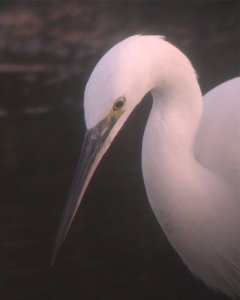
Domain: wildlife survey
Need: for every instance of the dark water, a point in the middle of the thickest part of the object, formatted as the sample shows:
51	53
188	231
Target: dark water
116	249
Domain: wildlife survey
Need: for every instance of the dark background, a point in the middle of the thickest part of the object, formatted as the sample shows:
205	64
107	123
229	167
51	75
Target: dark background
115	249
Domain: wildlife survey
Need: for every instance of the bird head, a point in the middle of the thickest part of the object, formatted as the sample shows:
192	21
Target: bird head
117	84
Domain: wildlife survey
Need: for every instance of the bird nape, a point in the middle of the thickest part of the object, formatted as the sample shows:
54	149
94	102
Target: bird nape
190	152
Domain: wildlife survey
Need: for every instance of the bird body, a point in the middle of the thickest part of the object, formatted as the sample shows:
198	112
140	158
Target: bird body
196	207
190	152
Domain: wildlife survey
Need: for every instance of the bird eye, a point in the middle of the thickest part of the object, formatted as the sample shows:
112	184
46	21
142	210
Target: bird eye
119	103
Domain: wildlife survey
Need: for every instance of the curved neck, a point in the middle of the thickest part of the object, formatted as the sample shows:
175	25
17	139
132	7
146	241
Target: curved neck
176	113
177	98
177	103
171	129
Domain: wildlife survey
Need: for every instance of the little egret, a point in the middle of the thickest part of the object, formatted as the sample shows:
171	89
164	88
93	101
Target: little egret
190	152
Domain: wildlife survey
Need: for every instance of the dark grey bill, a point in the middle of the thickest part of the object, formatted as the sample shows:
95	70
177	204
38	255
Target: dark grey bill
91	155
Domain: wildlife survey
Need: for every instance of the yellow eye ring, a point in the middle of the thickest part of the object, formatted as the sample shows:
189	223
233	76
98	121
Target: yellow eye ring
119	103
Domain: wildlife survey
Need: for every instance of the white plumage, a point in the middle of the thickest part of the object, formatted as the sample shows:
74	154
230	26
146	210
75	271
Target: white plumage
190	152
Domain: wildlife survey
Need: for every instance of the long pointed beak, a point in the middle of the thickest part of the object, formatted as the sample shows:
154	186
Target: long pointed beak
96	142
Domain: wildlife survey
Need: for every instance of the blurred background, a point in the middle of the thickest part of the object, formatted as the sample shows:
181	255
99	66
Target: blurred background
115	249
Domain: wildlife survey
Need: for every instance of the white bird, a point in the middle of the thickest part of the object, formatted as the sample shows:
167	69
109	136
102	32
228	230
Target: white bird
190	152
